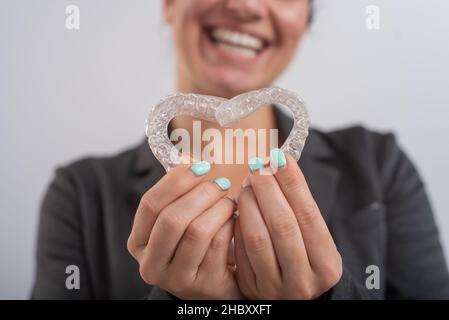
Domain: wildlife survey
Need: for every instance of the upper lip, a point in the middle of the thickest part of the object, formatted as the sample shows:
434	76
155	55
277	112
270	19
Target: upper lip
265	39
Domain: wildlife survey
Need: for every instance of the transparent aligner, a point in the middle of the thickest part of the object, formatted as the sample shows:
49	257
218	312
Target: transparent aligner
245	104
225	112
198	106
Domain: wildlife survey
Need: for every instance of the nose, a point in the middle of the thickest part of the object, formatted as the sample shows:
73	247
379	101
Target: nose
246	9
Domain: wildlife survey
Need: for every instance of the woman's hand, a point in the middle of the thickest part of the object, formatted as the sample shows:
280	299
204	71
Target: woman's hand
181	235
283	248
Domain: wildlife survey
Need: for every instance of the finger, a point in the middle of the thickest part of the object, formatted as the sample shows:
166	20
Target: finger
216	257
281	223
245	275
176	217
256	238
198	235
318	241
173	185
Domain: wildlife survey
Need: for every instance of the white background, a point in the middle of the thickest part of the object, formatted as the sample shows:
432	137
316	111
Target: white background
67	94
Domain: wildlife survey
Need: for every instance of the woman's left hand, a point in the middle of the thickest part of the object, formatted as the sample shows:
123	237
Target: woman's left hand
283	248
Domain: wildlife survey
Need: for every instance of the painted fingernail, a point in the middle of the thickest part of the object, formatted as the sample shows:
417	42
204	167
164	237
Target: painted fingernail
200	168
255	164
223	183
277	158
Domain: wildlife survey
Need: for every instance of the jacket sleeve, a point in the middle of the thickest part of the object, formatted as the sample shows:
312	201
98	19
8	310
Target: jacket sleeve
60	244
347	289
415	263
416	267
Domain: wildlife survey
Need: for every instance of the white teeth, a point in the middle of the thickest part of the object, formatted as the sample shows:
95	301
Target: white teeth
249	53
237	39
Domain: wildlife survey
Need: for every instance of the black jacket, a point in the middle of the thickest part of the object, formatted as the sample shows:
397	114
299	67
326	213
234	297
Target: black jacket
368	191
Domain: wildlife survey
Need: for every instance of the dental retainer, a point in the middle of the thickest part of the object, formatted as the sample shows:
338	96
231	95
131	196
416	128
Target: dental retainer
225	112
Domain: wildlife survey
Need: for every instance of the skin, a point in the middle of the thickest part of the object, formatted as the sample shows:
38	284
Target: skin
283	247
184	224
181	237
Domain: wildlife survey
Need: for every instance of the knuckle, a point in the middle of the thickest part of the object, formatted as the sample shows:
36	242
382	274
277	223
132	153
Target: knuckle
171	221
147	273
330	280
257	241
196	232
331	274
291	182
218	242
179	185
284	225
308	294
304	290
308	215
131	246
227	204
148	205
207	189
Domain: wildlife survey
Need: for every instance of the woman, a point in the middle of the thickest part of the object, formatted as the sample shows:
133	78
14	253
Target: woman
351	220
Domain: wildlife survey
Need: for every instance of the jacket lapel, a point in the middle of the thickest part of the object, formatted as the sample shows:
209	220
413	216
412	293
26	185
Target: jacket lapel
315	163
322	180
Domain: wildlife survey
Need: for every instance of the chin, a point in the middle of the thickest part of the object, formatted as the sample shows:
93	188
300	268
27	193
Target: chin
229	90
230	84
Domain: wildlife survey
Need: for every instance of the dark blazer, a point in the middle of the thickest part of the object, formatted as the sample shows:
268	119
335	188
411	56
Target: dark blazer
368	191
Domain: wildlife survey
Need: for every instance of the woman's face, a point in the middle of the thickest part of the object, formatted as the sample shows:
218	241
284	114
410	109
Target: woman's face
225	47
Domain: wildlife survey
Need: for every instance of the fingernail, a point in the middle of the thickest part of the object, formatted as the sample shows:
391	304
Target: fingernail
200	168
277	158
223	183
255	164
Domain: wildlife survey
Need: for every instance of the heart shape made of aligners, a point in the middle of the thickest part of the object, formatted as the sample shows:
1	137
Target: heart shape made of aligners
225	112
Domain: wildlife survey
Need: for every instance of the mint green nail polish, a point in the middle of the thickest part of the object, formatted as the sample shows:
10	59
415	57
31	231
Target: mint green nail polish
255	164
277	157
200	168
223	183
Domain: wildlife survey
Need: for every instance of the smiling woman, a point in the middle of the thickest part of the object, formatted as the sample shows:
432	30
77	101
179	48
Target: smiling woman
224	57
308	230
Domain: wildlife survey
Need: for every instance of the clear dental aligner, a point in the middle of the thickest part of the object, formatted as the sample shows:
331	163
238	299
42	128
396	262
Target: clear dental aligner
225	112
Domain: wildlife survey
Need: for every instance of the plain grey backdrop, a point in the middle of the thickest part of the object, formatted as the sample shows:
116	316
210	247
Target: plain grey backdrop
67	94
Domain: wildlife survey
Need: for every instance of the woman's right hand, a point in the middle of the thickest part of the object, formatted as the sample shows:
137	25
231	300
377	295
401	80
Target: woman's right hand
181	235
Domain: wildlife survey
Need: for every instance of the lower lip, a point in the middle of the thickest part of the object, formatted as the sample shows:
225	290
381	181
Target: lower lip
226	55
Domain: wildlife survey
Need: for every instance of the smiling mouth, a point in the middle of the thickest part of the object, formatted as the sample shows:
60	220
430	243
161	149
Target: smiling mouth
236	42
